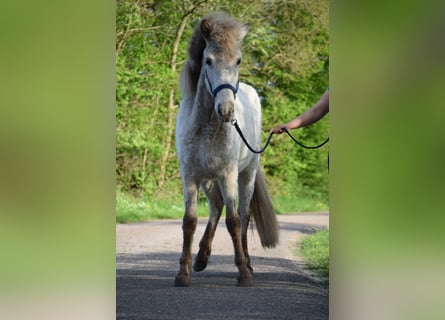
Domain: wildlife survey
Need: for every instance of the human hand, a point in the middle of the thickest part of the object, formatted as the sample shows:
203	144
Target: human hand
281	128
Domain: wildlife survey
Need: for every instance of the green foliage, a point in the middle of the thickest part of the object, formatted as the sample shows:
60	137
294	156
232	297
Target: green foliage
285	57
315	250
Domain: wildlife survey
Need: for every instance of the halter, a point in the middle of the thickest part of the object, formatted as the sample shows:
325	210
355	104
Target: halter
222	86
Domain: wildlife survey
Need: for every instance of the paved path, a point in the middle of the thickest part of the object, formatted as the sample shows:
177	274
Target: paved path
148	259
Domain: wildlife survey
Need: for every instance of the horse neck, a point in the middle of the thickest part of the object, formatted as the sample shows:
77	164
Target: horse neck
203	111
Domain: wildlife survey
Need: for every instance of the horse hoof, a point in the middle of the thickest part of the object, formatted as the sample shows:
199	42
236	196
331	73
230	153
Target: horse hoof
199	265
245	282
181	281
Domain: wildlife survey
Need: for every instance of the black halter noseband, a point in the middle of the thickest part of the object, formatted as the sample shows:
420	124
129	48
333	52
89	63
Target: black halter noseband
222	86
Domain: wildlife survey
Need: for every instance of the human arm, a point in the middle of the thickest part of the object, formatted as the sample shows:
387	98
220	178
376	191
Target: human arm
307	118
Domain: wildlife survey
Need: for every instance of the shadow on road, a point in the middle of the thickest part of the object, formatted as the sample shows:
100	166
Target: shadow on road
281	291
300	227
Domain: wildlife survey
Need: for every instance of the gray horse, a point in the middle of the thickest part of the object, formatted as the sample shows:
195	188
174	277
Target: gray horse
210	153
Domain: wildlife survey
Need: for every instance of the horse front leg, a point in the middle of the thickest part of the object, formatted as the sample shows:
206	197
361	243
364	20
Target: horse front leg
246	187
233	223
216	205
189	223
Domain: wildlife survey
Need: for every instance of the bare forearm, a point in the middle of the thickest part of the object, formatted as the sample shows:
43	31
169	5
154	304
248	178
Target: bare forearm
310	116
313	114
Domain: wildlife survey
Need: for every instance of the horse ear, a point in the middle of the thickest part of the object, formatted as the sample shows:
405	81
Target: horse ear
205	28
245	29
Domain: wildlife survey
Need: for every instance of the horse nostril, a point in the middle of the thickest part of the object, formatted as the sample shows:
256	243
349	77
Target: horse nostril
224	111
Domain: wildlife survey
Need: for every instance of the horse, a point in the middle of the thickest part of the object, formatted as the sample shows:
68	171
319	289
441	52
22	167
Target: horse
211	155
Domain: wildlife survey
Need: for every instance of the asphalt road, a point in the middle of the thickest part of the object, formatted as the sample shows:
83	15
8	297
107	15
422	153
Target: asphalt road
147	261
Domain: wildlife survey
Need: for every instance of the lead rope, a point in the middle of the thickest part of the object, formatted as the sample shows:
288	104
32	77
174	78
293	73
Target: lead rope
235	124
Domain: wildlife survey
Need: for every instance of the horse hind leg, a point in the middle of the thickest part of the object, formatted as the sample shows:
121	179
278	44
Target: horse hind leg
216	205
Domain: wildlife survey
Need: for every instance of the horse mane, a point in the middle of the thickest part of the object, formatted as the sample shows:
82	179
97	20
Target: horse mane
226	34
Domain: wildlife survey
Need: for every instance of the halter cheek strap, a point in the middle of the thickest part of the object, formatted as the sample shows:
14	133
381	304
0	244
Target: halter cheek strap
222	86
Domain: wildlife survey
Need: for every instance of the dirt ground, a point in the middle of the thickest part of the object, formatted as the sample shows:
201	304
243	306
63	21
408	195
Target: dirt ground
147	260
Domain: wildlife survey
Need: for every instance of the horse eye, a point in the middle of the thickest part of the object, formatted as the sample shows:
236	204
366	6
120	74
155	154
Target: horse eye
238	62
208	61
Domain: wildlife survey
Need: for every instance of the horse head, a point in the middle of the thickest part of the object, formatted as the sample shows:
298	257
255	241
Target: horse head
221	60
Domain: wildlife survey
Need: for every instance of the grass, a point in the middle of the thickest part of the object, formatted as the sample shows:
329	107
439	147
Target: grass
133	209
315	250
292	204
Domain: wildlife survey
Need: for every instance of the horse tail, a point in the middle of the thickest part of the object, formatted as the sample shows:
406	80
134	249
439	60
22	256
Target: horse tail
261	207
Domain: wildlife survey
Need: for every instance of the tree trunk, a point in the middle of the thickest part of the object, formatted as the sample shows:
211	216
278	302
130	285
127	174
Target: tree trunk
171	107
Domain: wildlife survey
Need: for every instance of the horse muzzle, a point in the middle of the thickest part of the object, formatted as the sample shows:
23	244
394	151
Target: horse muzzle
225	111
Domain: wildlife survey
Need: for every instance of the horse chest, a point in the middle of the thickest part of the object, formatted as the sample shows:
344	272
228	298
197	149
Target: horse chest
208	159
